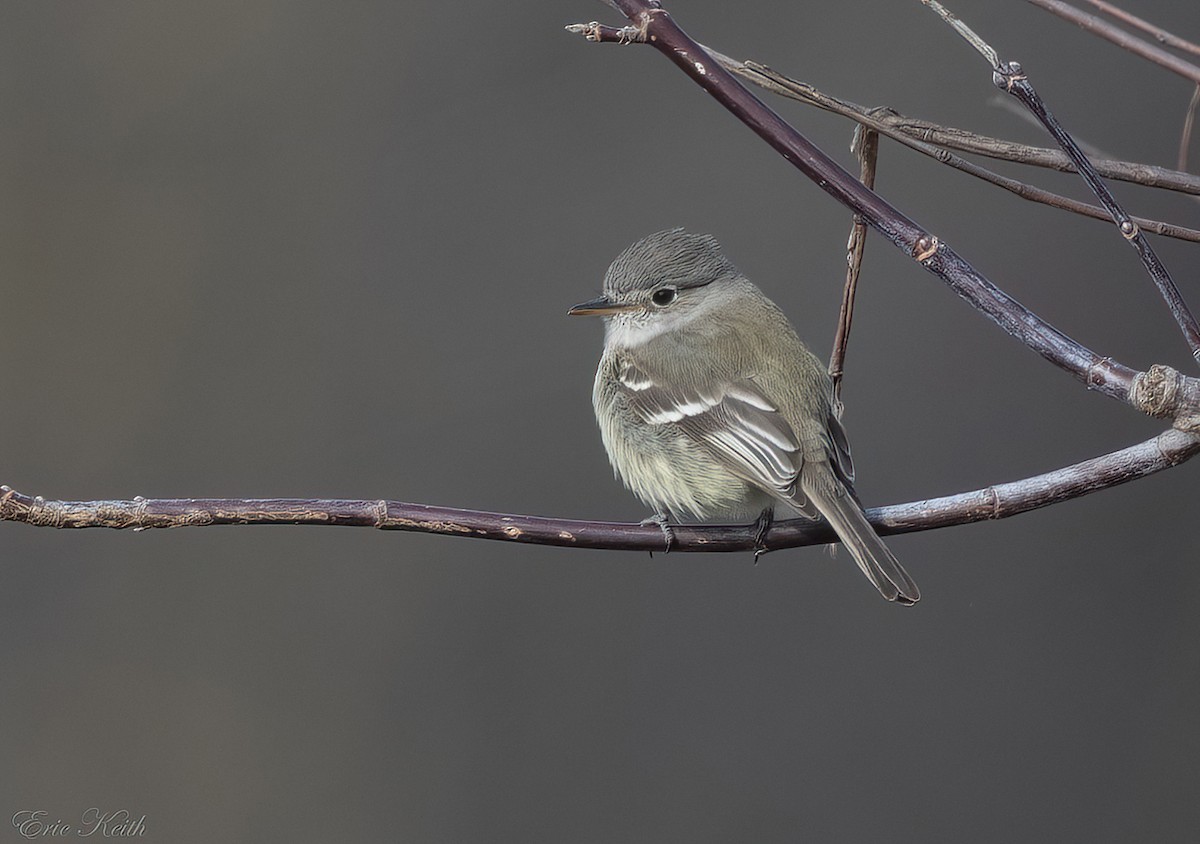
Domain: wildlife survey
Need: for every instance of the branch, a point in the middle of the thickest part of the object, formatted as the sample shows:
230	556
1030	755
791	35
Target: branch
1185	137
899	127
866	146
1168	449
902	130
1158	33
1008	76
1161	392
934	140
1135	45
657	28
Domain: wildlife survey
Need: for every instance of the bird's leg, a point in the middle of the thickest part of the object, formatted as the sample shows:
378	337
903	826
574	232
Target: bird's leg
761	526
663	521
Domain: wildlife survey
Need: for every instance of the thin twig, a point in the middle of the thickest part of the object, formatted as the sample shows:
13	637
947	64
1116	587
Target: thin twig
1185	138
1149	175
1018	111
909	131
965	32
1157	33
866	146
1137	46
1008	76
889	122
1168	449
879	120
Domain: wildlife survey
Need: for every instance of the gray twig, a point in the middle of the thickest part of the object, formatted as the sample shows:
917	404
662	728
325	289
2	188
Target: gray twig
1185	137
887	123
1157	33
935	140
1137	46
1009	76
866	146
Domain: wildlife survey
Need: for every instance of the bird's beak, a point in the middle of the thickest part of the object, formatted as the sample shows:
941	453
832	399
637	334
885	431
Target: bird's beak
599	306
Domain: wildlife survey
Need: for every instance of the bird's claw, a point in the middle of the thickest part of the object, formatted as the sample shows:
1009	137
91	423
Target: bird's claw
761	525
661	519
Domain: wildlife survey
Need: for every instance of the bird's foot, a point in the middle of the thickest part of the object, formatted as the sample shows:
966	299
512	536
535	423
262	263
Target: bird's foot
761	526
662	520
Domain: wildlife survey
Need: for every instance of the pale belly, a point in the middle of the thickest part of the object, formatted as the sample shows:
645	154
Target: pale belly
673	475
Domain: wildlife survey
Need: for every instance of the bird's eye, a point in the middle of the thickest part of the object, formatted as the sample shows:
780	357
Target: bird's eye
663	296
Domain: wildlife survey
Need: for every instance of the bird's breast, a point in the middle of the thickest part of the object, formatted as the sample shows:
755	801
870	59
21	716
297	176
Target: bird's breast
663	466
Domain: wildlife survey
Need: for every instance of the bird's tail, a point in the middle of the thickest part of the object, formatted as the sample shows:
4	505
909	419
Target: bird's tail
877	562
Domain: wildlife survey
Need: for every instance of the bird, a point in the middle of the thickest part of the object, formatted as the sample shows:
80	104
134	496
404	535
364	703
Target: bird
711	407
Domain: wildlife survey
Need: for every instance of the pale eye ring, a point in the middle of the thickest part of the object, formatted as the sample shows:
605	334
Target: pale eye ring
664	296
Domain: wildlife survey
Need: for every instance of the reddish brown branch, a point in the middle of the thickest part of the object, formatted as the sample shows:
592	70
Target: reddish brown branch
657	27
923	135
995	502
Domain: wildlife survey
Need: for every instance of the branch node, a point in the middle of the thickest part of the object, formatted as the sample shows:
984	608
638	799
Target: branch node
137	514
590	31
993	503
381	513
1007	75
630	35
1166	393
1156	391
43	513
642	30
1097	373
597	32
926	247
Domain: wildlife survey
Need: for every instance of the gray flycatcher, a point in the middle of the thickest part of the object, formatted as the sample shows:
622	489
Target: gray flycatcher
710	405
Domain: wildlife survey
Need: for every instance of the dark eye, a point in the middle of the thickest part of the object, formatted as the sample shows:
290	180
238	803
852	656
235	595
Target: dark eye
663	296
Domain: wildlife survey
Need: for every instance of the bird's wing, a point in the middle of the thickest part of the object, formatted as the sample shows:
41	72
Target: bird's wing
734	421
839	450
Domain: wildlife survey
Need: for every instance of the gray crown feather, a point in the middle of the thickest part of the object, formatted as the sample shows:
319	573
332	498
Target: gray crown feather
674	255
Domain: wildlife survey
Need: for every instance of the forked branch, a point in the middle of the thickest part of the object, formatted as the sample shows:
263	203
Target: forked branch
1008	76
657	28
913	131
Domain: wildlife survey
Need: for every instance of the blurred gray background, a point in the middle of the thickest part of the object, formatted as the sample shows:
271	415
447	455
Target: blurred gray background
326	249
